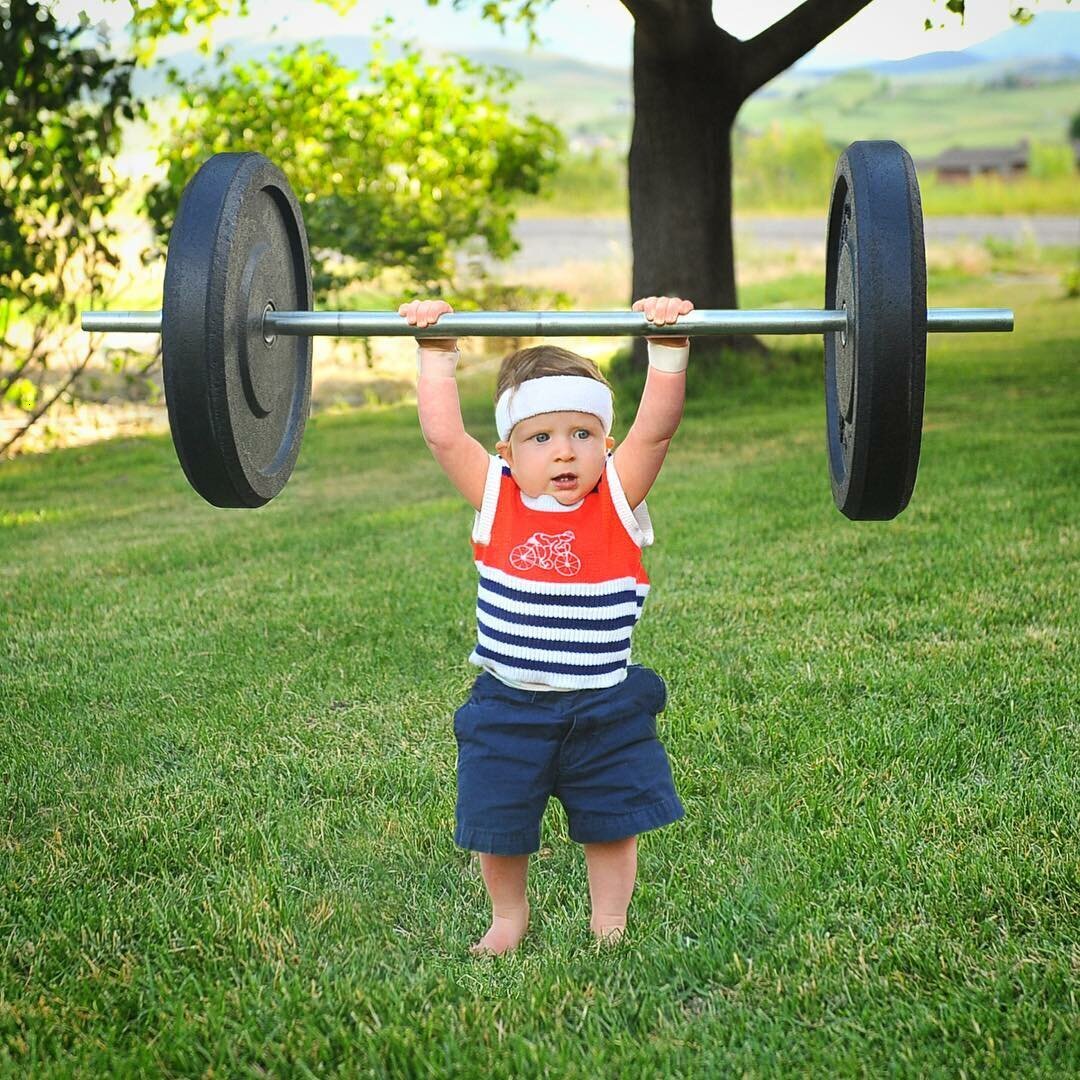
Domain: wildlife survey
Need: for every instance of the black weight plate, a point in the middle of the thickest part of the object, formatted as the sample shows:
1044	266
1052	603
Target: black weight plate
875	374
238	402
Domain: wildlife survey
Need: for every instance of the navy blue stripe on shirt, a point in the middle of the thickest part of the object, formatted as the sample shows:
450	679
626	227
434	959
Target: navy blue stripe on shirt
560	599
551	623
543	665
548	645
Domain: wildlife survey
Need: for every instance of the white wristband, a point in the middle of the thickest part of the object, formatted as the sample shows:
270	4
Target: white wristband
674	358
436	361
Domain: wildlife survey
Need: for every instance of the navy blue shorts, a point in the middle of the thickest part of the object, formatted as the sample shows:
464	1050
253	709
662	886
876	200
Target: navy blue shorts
596	751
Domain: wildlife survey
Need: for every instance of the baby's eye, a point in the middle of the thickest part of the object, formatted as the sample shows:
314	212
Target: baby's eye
583	433
541	436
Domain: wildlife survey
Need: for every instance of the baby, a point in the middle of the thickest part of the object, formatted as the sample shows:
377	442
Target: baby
558	708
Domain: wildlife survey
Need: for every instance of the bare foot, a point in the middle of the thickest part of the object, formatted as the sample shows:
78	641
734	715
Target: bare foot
610	930
505	932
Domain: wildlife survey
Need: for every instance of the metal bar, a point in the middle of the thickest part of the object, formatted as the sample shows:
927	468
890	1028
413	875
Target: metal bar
554	323
559	323
968	320
126	322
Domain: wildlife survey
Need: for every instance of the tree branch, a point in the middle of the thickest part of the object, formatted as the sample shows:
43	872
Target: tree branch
8	377
669	13
644	10
774	50
43	409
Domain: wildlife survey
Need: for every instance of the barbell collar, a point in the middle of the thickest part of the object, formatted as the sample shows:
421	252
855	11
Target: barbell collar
558	323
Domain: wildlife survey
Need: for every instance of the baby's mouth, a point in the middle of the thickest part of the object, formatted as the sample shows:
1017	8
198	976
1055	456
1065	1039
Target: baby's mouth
565	480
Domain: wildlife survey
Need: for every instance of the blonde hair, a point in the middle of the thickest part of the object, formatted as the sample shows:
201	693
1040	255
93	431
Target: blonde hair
539	360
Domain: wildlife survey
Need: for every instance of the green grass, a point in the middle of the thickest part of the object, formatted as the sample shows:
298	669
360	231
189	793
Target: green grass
992	195
927	116
595	185
228	763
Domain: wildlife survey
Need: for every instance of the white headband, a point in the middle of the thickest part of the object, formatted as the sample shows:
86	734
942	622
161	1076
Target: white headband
553	393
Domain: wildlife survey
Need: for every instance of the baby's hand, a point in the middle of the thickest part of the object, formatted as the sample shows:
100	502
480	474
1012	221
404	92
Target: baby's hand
665	309
426	313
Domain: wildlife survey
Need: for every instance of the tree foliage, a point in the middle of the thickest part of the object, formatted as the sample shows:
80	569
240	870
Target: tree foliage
394	173
1019	13
396	168
152	20
58	123
398	171
60	105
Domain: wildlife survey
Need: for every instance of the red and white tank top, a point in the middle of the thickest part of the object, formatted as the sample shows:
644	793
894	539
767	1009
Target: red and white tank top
561	588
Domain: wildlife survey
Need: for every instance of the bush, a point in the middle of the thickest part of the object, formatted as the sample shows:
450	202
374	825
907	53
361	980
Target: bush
783	167
396	166
1049	161
1070	281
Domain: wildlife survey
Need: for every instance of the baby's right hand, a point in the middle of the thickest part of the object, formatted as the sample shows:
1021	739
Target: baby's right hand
426	313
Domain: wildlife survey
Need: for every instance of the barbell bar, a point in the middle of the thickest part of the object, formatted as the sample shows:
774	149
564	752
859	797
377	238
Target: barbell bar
236	327
559	323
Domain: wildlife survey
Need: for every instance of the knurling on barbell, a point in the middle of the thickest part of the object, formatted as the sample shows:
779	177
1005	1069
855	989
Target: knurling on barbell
236	325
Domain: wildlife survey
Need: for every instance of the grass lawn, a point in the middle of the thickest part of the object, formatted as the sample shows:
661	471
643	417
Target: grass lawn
227	755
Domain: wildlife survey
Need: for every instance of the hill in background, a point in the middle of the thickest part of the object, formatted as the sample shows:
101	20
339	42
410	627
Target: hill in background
1023	83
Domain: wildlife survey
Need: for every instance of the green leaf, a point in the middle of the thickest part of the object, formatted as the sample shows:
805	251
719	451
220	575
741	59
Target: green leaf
398	165
23	394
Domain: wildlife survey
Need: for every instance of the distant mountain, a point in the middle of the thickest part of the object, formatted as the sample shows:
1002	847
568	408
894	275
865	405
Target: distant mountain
926	64
351	50
1047	47
970	67
1051	36
582	98
1050	33
593	104
571	91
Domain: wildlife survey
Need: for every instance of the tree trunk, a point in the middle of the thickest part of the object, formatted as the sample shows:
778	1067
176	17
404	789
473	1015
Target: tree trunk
690	80
686	96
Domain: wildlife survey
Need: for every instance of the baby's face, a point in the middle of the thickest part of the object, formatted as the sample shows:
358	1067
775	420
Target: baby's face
557	453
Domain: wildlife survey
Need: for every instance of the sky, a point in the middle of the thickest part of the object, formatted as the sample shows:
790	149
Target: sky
600	31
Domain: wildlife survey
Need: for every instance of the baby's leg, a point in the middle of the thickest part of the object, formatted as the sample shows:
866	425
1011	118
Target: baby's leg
505	877
612	874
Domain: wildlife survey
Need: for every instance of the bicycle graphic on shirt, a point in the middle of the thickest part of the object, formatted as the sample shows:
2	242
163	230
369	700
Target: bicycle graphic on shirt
548	551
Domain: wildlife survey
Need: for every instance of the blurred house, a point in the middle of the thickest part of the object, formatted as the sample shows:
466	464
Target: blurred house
959	164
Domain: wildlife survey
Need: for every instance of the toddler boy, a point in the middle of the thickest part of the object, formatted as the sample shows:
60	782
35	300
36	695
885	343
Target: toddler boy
561	520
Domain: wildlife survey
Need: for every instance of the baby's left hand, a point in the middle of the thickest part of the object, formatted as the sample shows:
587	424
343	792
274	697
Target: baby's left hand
665	309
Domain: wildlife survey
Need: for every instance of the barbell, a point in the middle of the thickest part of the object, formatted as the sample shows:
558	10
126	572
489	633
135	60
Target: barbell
236	327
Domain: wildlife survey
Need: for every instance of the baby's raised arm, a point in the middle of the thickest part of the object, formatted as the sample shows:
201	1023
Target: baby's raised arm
463	459
639	458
